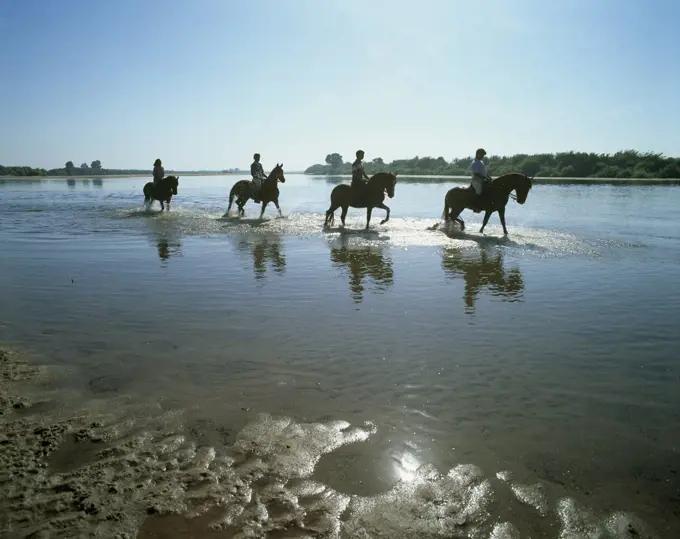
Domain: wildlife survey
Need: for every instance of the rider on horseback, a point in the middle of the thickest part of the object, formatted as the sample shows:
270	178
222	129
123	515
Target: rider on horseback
158	171
481	181
359	178
257	172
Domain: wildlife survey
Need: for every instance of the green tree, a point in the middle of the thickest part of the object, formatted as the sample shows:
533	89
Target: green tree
97	165
334	161
84	165
70	167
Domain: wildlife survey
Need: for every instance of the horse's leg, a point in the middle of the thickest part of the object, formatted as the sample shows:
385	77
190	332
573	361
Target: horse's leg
264	205
241	203
501	214
455	216
383	207
162	205
276	203
369	210
168	203
344	214
487	214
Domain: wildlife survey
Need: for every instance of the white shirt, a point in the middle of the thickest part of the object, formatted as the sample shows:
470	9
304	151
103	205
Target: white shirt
479	167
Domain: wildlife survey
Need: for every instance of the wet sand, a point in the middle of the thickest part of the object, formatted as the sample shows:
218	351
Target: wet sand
121	467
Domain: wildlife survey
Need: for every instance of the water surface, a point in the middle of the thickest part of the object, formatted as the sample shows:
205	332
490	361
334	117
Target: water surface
550	355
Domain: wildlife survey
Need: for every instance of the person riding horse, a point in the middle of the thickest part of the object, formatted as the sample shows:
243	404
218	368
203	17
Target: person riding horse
481	181
359	177
257	172
158	171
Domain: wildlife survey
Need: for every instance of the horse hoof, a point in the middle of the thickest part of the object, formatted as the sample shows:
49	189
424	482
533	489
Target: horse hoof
383	221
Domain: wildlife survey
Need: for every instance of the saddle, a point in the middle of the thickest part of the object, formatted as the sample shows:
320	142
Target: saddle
359	192
477	201
256	192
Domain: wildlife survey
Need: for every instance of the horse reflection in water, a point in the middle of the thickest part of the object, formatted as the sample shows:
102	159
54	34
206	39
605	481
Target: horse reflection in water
168	247
483	270
264	250
362	262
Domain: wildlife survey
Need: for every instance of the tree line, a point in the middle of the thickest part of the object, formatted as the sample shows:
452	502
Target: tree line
623	164
69	169
93	169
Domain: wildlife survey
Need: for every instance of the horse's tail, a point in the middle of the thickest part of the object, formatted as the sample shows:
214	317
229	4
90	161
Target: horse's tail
330	213
232	194
447	209
330	217
147	195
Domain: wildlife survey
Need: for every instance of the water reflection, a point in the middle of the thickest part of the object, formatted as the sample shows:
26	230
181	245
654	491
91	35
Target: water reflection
361	262
22	180
71	182
97	182
168	247
483	269
166	240
266	250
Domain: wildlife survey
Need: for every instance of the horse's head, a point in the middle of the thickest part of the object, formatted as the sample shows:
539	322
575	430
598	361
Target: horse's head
522	188
277	173
389	181
173	183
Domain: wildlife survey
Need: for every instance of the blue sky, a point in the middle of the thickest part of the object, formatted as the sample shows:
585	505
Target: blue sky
205	83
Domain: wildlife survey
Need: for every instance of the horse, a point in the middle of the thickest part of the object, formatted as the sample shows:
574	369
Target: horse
162	191
269	192
495	199
368	196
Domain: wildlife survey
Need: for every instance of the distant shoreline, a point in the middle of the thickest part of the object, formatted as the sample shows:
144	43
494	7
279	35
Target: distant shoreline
114	176
407	178
337	178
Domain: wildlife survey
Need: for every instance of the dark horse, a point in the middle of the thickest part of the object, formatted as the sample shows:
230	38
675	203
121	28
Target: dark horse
368	196
495	199
162	191
269	192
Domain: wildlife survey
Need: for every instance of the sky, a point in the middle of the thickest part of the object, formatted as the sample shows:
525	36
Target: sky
203	84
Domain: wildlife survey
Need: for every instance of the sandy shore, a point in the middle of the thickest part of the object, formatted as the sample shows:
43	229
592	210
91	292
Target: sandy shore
74	464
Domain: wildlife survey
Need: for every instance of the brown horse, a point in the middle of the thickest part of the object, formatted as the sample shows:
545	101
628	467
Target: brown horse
269	192
368	196
162	191
496	198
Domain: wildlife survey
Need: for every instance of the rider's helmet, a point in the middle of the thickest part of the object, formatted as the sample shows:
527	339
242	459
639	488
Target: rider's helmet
157	163
360	154
256	156
481	151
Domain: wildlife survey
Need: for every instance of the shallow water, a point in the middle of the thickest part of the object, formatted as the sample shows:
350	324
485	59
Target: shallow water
548	357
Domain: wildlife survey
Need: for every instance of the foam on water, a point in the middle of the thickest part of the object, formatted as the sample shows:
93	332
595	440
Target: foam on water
136	472
398	232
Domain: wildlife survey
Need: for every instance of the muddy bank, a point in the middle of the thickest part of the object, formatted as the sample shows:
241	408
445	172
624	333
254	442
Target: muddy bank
118	467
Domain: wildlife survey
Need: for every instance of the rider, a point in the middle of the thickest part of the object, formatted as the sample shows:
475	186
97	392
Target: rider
257	172
158	171
480	179
359	178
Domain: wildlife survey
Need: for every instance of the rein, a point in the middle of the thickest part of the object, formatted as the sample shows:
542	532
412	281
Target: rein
512	195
